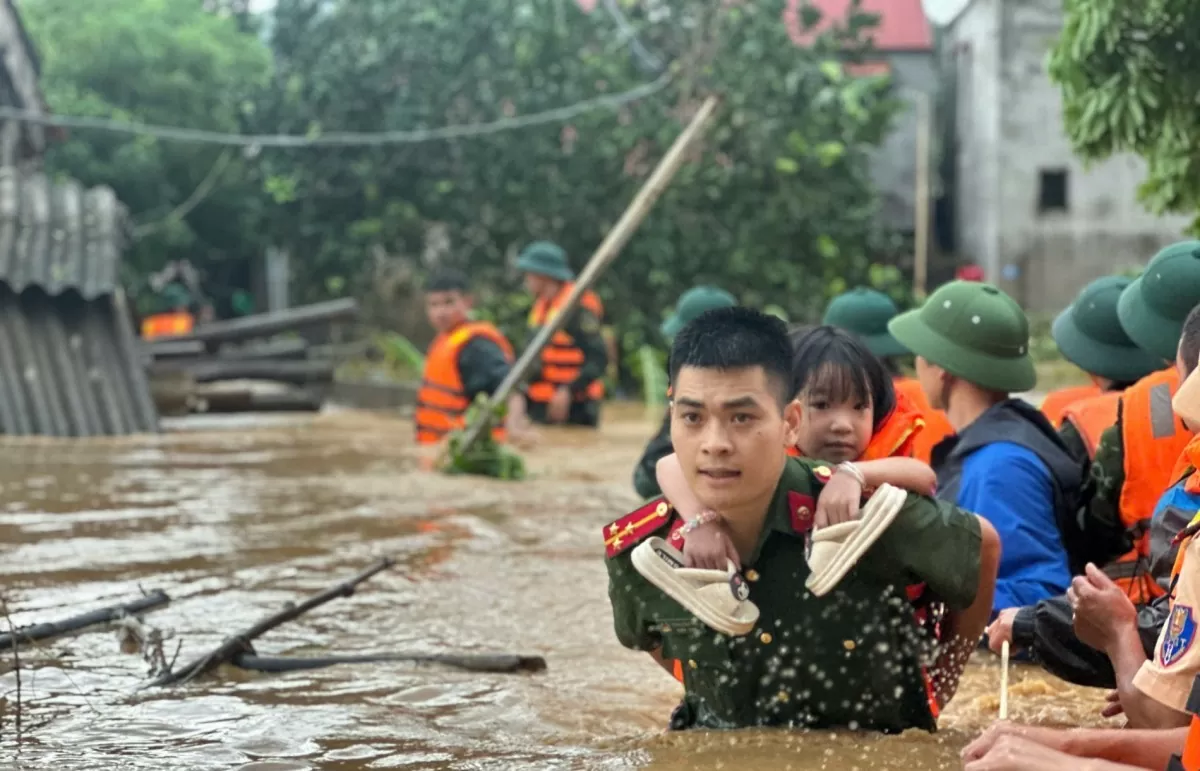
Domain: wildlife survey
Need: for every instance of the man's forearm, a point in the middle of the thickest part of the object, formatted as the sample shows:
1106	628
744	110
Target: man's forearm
965	628
1138	748
1128	656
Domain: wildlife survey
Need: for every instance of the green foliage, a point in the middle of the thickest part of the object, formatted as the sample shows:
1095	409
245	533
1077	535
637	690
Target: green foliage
777	206
1129	74
166	62
486	456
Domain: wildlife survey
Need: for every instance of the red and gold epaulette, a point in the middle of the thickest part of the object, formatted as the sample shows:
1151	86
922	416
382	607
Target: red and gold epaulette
801	508
635	526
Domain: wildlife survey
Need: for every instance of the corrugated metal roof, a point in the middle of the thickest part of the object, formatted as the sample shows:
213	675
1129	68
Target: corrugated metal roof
70	367
59	236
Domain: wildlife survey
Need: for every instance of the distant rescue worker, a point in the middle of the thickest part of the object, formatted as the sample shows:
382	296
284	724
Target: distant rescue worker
569	387
467	358
856	657
691	304
1089	335
866	312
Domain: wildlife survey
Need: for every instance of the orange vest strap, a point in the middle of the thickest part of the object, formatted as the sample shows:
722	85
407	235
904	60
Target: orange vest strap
1191	748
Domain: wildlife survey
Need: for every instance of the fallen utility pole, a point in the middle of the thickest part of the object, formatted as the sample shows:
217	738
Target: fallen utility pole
26	634
616	239
500	663
240	643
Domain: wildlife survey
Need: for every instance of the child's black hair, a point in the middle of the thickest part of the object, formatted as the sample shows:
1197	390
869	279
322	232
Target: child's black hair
448	280
837	363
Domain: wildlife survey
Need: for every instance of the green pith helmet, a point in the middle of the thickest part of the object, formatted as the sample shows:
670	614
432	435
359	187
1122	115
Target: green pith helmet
866	313
692	303
1089	334
975	332
545	259
1152	309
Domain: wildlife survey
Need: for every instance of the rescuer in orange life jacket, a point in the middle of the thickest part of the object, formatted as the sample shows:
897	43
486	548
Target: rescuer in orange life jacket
466	358
569	385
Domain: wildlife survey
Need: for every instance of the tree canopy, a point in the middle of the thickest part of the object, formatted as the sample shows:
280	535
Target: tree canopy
777	205
1130	73
167	62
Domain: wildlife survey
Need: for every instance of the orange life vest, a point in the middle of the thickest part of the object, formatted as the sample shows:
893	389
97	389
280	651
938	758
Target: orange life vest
1092	417
937	426
442	401
894	438
562	358
1153	439
1057	402
168	325
1190	760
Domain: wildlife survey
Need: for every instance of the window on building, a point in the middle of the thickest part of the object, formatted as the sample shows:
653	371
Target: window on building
1052	191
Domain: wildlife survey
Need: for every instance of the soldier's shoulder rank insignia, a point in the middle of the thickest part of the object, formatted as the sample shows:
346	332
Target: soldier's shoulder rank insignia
636	526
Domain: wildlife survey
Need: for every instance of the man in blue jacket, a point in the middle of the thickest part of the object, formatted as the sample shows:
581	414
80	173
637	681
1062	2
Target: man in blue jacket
1005	461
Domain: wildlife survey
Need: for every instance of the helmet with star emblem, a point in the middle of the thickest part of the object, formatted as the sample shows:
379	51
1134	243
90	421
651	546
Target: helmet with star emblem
975	332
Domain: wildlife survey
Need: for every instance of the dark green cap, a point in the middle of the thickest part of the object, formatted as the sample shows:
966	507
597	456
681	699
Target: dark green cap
975	332
866	313
545	259
1153	308
692	303
1090	336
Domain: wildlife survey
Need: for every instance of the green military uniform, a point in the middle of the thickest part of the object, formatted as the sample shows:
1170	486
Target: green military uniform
852	659
585	328
691	304
866	313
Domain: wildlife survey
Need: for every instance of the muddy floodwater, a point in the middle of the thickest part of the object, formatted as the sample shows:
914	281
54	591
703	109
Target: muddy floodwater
234	518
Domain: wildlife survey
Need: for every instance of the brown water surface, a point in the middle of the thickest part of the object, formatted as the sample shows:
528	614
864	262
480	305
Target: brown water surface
234	518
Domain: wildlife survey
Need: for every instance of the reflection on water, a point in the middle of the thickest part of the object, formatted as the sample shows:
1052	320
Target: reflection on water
238	517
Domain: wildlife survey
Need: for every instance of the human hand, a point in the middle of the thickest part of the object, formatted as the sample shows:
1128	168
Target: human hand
1006	730
559	407
1001	630
1112	705
1102	610
839	500
1014	752
709	547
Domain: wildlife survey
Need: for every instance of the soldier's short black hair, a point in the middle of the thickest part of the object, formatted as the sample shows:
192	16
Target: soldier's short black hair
837	364
1189	340
448	280
736	338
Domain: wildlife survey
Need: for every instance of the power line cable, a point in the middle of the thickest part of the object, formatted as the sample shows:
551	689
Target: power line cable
340	138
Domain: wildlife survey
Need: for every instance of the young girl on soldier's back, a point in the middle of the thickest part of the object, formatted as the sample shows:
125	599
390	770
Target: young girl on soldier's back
851	417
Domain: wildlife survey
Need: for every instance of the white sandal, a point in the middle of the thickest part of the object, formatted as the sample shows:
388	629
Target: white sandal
719	598
837	548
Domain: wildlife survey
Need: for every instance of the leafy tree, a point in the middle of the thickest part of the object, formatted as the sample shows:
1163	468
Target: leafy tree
167	62
1129	74
778	206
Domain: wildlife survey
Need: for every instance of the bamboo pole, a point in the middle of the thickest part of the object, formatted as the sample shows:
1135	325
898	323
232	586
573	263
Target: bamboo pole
620	234
921	202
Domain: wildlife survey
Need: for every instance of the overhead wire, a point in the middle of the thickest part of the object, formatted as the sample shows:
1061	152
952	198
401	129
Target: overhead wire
340	138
